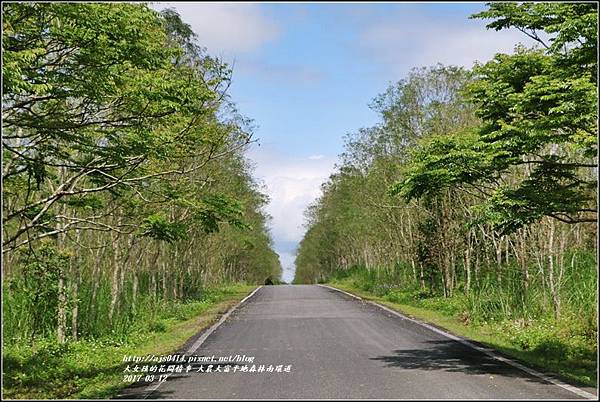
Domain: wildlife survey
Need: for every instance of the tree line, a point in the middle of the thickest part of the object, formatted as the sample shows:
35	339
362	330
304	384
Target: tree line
125	185
477	182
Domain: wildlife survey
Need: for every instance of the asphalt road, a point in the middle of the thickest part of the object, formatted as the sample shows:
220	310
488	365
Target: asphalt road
341	348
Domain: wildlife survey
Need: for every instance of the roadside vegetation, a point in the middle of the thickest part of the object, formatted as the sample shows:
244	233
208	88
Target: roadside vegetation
474	200
127	198
93	368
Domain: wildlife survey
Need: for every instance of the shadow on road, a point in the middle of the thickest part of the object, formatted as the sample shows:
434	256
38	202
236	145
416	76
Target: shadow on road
452	356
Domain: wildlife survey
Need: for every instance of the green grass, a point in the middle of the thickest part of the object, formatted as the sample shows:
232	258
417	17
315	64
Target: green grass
93	369
562	348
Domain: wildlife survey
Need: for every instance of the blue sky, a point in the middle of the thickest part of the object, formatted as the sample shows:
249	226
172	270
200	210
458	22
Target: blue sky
306	72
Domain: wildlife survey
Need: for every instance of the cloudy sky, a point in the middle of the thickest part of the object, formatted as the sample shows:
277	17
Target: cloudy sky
306	72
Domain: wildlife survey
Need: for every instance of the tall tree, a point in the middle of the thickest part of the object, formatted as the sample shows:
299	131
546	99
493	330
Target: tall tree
539	113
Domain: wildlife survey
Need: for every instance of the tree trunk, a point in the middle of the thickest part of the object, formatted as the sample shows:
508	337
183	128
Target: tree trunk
61	329
551	279
75	310
468	263
62	310
114	288
134	291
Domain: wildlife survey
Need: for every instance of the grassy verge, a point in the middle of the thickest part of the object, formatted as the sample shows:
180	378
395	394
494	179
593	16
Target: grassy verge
555	351
93	369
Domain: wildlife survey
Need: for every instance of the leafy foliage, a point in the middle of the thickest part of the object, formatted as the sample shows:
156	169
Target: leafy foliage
538	109
124	172
158	227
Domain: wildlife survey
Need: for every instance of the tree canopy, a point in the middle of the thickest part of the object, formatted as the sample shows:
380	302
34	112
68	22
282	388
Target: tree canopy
538	109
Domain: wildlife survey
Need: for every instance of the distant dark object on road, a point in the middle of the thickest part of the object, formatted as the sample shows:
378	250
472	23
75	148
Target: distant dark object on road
269	281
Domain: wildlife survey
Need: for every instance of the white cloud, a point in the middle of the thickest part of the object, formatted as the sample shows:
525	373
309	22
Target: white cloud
287	262
226	28
292	184
406	41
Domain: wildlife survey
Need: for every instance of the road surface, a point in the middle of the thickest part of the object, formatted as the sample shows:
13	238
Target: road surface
335	346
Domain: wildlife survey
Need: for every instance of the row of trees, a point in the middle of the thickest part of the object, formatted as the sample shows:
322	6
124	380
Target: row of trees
124	178
481	182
